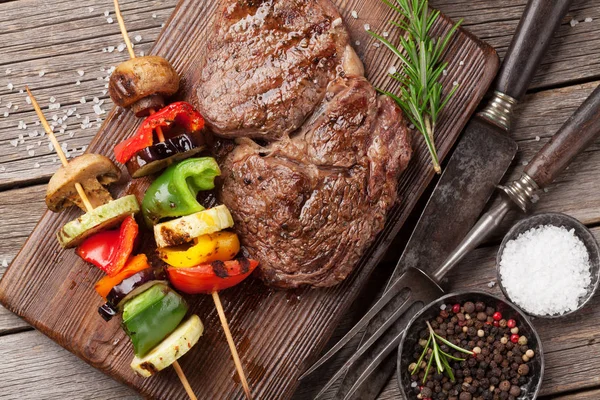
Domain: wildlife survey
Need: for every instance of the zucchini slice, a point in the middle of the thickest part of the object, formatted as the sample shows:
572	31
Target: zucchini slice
104	217
179	342
185	229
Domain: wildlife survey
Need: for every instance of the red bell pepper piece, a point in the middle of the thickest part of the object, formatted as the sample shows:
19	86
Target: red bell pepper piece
110	250
180	114
214	276
134	265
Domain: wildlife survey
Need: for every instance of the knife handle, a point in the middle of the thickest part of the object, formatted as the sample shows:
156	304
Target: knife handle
540	20
575	135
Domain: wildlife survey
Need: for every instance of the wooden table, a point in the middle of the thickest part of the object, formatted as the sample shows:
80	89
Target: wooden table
63	49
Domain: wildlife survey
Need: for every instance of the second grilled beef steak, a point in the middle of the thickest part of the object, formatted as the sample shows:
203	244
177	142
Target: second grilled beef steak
308	207
308	203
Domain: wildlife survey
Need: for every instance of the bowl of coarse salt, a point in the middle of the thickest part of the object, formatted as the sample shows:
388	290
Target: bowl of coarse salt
549	265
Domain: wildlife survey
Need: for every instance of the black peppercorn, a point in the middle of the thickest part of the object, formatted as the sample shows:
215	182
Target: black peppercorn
523	369
481	316
490	311
465	396
426	392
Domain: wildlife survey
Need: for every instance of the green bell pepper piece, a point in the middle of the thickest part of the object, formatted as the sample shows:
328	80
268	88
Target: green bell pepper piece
173	193
152	316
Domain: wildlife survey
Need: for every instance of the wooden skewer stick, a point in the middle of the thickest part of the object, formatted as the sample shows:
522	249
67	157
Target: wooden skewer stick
232	349
159	133
215	295
89	208
58	149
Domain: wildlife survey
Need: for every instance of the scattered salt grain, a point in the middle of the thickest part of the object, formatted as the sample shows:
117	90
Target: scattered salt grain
41	73
14	142
142	53
10	86
6	114
110	49
443	307
9	105
138	38
461	63
121	47
392	70
31	153
559	264
357	42
414	384
573	22
386	34
78	83
376	44
82	100
106	13
52	99
354	14
588	19
109	20
537	138
91	9
444	72
4	262
154	15
15	107
8	71
367	27
524	163
28	100
455	83
36	165
80	72
491	284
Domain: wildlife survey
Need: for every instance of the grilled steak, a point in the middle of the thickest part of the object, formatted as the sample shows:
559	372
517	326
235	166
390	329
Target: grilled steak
269	63
309	199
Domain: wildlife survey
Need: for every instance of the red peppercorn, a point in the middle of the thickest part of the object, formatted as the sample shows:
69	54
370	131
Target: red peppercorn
511	323
496	324
514	338
497	316
456	308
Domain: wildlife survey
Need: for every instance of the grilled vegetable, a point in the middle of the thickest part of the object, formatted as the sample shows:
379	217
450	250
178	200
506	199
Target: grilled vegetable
134	265
173	193
142	83
220	246
151	316
185	229
109	250
176	116
160	155
92	171
215	276
97	220
170	349
134	285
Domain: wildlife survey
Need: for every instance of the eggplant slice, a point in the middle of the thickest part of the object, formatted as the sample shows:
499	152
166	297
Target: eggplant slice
159	156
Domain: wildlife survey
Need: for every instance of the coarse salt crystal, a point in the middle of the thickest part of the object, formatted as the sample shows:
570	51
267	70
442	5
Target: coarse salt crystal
106	13
90	9
31	153
546	270
6	114
573	22
588	19
367	27
392	70
109	20
4	262
354	14
110	49
28	100
491	284
121	47
80	72
36	165
78	83
10	86
41	73
153	15
461	63
52	99
386	34
96	100
14	142
138	38
82	100
8	71
537	138
443	307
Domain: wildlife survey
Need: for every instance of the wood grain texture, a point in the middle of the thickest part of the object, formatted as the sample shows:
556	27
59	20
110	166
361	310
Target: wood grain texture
277	332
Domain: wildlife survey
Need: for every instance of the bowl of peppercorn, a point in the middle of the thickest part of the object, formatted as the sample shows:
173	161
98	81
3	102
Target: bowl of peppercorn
470	346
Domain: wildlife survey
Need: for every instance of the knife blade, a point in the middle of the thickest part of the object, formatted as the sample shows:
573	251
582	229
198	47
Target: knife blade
477	165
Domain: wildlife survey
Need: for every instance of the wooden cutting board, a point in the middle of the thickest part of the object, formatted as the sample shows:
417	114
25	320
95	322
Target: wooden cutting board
278	333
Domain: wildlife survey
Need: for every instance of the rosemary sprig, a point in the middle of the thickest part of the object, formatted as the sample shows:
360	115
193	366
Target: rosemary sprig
420	95
440	356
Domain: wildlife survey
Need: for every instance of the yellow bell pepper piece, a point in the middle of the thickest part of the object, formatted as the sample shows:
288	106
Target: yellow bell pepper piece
222	246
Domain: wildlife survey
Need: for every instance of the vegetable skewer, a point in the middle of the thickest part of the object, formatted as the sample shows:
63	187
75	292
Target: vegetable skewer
215	294
89	208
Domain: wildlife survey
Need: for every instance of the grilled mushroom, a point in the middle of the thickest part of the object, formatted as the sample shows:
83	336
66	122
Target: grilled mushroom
142	83
92	171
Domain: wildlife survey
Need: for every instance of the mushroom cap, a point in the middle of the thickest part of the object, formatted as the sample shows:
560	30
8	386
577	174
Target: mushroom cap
141	77
92	172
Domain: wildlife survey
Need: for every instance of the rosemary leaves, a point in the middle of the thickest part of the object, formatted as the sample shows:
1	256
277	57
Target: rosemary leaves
420	95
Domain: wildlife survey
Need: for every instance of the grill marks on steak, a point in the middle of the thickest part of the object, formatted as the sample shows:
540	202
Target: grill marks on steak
269	63
307	206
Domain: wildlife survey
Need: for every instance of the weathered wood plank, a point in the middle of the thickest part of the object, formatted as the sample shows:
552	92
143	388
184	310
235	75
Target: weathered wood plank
33	367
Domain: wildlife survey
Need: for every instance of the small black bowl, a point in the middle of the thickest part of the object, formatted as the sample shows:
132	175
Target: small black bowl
566	221
509	311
